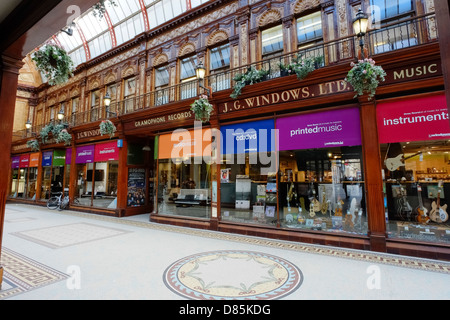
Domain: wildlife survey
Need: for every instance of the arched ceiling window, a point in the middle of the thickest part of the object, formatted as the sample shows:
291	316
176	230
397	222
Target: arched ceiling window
94	35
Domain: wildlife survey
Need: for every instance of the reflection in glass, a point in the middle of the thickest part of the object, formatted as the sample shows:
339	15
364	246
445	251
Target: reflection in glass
417	188
184	187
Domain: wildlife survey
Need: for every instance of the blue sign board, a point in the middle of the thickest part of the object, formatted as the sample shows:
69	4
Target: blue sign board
47	159
248	137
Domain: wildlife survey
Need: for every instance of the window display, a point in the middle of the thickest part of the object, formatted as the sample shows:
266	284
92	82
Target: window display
32	176
321	184
23	175
184	173
14	176
97	175
248	191
46	175
416	168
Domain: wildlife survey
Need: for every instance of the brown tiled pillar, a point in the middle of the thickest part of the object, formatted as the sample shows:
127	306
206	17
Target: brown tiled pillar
372	175
9	75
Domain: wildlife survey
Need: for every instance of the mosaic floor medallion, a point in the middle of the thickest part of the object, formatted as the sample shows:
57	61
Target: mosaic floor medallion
230	275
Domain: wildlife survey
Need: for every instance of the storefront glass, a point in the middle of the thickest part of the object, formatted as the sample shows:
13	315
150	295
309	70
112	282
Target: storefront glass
97	175
248	173
32	176
184	173
321	184
23	176
46	175
15	161
414	136
85	162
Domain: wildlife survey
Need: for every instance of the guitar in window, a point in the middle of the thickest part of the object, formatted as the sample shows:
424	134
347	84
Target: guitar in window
438	213
421	211
394	163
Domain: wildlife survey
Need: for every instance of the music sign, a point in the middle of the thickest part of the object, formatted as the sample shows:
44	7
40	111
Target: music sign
416	119
334	128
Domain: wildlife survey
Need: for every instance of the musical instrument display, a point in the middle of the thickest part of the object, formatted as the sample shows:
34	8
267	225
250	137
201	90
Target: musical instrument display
438	213
421	211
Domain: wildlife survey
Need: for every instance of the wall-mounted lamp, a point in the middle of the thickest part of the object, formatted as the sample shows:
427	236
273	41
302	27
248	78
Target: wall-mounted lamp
60	114
360	24
107	103
200	72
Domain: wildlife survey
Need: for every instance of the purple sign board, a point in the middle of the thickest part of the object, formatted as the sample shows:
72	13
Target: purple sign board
335	128
68	156
15	162
85	154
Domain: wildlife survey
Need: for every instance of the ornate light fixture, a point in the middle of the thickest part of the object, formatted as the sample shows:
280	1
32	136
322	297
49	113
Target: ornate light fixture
200	72
360	24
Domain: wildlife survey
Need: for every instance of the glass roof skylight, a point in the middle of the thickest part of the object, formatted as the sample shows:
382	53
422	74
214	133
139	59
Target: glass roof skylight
121	23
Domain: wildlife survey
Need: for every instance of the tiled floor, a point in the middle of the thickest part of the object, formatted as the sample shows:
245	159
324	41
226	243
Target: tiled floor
74	255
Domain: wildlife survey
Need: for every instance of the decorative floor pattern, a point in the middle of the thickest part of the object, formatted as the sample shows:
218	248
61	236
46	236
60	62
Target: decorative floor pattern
21	274
390	259
68	235
223	275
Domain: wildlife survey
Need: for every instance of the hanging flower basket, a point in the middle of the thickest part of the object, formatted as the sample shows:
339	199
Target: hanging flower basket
365	77
99	8
107	127
64	136
202	109
33	144
54	63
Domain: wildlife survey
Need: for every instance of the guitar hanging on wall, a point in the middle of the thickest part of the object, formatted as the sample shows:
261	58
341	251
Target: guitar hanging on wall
422	216
438	213
394	163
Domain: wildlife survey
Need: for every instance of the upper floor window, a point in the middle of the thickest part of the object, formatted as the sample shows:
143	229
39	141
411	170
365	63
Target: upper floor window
392	8
397	36
95	99
272	42
187	68
219	58
129	93
309	29
161	77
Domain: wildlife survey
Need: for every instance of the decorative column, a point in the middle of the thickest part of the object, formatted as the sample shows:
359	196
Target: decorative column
9	74
122	179
372	175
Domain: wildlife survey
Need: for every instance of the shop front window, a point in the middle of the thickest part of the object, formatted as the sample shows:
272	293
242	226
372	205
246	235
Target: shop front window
97	175
248	192
14	182
184	174
32	179
46	185
416	170
23	183
105	184
321	185
322	189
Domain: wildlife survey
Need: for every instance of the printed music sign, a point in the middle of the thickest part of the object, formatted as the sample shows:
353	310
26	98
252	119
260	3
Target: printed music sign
416	119
335	128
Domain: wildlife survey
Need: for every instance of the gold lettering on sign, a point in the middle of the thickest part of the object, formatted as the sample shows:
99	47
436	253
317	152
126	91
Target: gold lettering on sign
87	134
416	71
